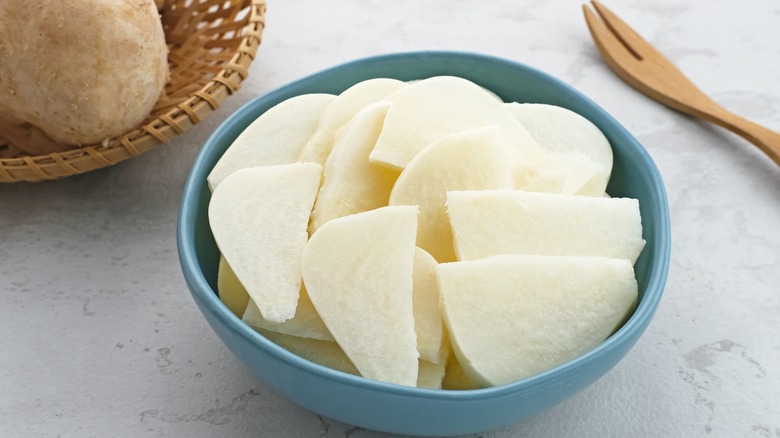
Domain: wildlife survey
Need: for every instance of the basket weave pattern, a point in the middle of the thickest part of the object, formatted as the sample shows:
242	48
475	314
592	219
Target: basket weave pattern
211	46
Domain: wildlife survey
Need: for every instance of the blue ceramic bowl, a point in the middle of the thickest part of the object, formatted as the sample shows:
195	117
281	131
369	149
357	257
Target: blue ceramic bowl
392	408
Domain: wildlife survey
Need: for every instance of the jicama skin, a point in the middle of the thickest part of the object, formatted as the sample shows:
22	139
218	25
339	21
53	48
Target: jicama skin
56	78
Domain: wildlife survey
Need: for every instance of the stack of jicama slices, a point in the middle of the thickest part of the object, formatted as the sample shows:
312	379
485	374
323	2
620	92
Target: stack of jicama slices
425	234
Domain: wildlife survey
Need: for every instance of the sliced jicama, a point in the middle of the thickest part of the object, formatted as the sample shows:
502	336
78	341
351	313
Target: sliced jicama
472	160
492	222
430	375
325	353
432	343
454	376
569	173
305	324
435	107
352	184
259	217
231	292
513	316
358	272
558	129
341	110
276	137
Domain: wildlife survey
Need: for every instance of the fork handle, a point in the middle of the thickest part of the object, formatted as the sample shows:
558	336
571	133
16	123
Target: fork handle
766	139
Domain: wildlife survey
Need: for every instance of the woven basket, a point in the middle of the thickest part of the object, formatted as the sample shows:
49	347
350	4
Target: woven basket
211	46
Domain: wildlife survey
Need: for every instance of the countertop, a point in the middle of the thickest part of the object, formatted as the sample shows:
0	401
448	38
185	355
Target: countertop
100	337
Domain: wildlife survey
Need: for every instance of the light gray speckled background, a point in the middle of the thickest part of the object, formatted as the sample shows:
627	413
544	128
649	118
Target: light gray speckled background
99	336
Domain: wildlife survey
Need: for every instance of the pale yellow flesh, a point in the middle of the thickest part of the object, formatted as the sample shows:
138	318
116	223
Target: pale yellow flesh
329	354
358	272
435	107
259	217
557	129
352	184
492	222
382	300
305	324
430	375
512	316
454	376
569	173
471	160
428	325
276	137
325	353
341	110
231	291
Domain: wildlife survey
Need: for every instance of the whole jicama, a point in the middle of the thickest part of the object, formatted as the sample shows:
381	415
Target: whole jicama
77	71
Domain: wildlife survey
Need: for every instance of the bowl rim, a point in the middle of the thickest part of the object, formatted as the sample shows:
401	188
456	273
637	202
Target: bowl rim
202	291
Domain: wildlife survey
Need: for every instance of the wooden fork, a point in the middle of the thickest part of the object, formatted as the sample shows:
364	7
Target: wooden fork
643	67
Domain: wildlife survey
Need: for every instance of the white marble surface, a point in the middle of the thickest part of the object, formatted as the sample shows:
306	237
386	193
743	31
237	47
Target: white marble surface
99	336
